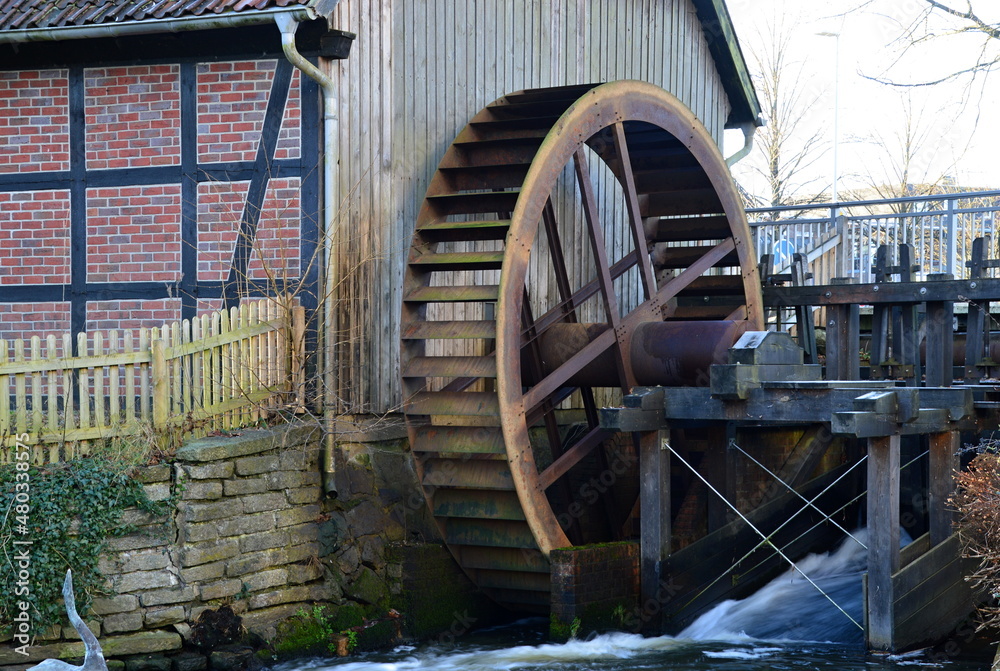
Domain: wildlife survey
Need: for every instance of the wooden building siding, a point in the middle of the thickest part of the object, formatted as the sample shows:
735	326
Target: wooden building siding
419	70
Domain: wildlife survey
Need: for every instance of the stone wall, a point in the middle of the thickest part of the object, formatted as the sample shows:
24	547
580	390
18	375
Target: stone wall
252	529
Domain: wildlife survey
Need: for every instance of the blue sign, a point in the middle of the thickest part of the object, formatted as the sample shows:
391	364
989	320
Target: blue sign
783	252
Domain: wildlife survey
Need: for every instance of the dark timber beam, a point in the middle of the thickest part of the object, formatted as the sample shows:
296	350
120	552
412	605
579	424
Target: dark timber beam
944	463
978	289
883	538
654	530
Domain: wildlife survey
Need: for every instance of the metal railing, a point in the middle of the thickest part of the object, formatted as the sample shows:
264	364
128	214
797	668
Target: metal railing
841	239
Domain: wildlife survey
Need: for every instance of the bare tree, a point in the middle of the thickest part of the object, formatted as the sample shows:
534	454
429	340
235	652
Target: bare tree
790	142
944	21
907	158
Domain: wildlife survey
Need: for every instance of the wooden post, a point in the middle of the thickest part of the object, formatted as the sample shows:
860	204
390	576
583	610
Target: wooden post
943	464
881	318
883	538
976	320
843	341
654	531
299	357
940	338
909	336
161	386
803	314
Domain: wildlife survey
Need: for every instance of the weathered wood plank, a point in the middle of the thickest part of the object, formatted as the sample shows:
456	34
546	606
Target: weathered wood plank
463	439
944	462
467	474
883	535
654	503
475	504
489	533
503	559
914	550
921	568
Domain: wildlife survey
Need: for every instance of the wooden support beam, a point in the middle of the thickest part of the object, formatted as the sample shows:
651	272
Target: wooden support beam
883	538
943	464
940	338
905	332
977	322
843	336
719	468
654	531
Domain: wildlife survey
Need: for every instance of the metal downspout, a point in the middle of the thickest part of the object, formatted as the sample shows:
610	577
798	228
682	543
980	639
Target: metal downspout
748	128
331	200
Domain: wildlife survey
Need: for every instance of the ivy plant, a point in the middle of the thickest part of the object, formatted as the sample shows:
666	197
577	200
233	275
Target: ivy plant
74	508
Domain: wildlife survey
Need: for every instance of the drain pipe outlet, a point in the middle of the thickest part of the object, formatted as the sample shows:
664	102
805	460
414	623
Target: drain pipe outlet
331	201
748	128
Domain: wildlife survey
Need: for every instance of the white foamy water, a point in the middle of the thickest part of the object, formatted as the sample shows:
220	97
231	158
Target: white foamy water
790	608
763	632
606	648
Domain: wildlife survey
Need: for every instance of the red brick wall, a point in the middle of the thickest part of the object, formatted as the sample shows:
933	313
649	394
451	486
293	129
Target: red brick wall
232	99
34	121
220	208
25	320
276	249
589	583
133	116
134	232
132	315
34	237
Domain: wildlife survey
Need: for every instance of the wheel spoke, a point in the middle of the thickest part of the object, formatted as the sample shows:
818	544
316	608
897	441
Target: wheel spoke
634	216
596	234
585	292
560	376
558	261
677	284
572	456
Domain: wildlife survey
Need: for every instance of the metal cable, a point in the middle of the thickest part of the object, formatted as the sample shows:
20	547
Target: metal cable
765	539
800	536
732	443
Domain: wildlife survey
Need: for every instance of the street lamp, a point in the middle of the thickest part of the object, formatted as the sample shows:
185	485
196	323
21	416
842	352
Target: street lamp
836	105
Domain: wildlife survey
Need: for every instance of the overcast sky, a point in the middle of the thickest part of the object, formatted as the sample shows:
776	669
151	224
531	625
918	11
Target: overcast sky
962	123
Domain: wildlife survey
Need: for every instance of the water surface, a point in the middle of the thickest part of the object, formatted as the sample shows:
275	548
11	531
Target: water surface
794	622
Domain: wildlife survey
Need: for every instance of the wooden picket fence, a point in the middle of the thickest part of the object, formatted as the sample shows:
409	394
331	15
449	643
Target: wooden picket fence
216	372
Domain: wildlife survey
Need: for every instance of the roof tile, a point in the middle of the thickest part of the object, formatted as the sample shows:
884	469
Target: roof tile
29	14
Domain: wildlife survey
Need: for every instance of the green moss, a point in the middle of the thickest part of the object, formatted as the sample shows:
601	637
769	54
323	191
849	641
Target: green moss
304	634
559	631
438	599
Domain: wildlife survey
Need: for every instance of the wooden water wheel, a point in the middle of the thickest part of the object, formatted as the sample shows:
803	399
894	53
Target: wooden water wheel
573	240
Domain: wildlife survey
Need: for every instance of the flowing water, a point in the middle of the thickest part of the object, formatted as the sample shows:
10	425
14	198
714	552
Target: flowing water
788	624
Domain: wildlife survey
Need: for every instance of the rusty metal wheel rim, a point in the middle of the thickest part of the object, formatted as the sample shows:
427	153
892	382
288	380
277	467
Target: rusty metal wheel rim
607	110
